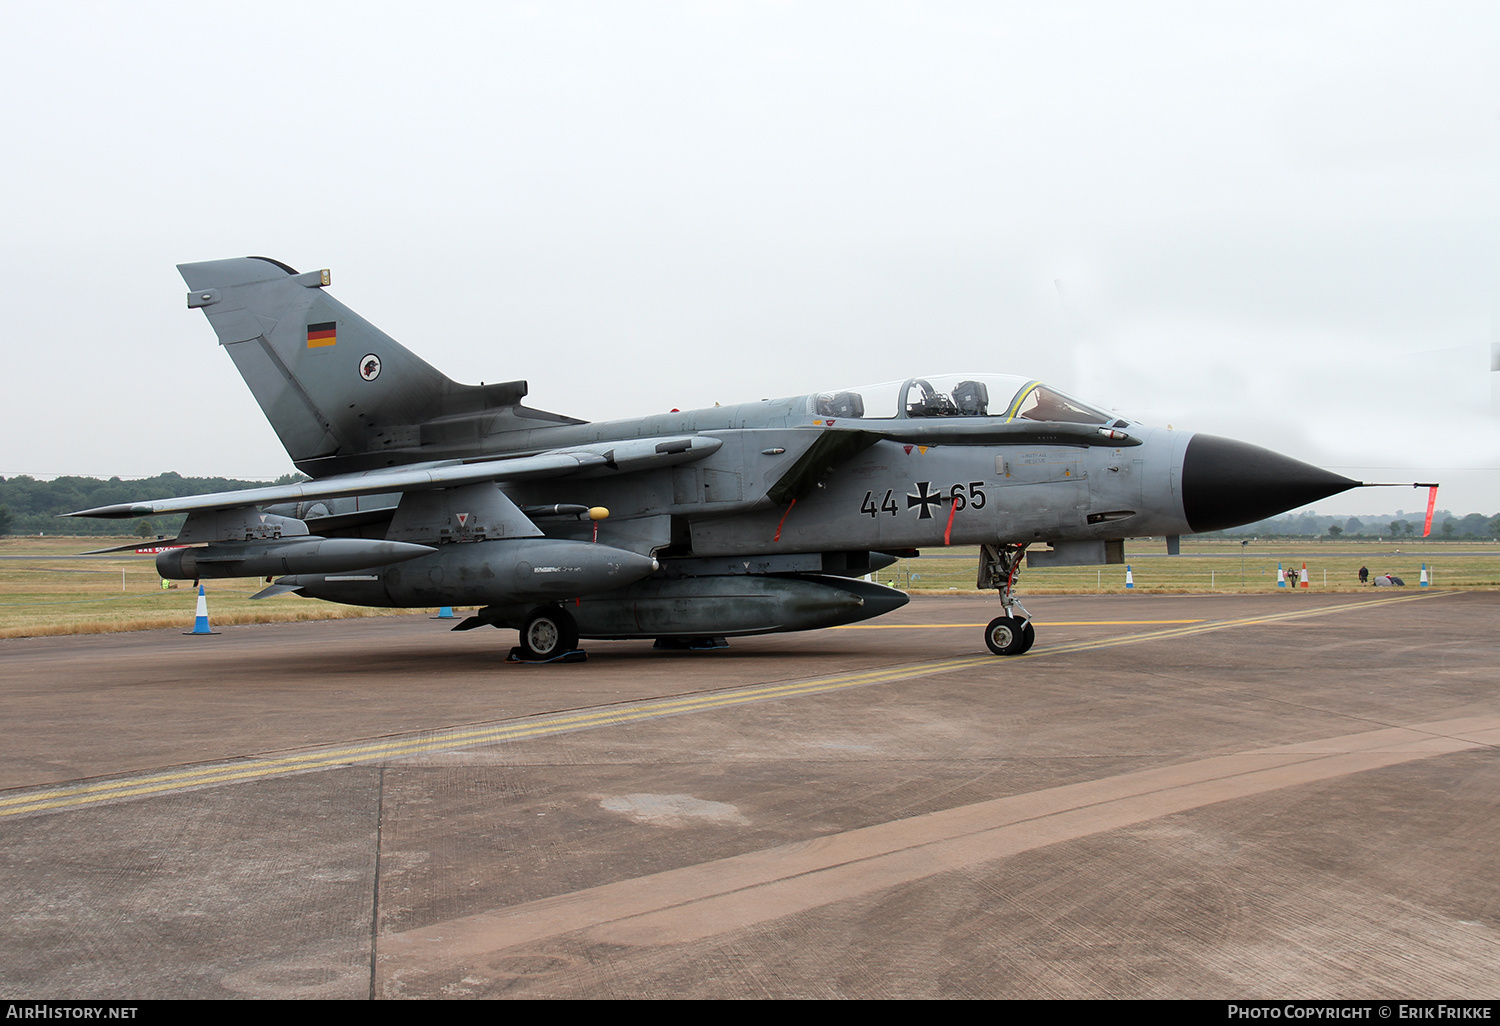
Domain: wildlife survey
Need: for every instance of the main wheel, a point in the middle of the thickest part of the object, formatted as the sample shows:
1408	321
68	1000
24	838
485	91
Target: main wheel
1009	635
549	631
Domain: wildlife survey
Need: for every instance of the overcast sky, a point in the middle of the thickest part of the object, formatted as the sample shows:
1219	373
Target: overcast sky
1276	222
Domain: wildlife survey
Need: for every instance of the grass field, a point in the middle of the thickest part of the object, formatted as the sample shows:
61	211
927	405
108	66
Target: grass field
43	592
1215	566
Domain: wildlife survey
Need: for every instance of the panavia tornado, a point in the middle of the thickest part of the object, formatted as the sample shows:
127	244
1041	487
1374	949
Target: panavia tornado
686	528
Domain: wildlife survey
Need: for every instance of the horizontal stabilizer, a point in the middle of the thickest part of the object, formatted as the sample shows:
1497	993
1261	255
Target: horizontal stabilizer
148	545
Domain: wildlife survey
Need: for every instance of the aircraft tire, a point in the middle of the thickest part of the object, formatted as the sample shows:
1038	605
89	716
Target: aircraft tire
1008	635
549	631
1028	636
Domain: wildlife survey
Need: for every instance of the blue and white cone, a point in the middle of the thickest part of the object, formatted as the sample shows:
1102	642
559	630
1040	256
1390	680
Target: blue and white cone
1129	578
1280	576
1425	582
200	625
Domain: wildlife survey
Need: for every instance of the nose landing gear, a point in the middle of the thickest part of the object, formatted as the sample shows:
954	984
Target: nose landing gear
999	566
1009	635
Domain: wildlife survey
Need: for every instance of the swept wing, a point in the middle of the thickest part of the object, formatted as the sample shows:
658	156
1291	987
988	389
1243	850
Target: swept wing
616	457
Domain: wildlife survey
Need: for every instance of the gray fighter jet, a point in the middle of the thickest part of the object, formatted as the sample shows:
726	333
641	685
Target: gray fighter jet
683	527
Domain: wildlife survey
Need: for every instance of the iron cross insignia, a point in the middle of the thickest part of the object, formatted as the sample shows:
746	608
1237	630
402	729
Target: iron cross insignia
924	499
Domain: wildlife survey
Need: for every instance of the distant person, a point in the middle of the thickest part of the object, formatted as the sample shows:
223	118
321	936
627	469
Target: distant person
1364	574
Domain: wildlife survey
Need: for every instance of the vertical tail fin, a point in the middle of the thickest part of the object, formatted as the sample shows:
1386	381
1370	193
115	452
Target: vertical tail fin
341	394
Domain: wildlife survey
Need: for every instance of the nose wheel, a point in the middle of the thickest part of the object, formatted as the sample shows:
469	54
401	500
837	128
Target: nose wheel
999	566
1009	635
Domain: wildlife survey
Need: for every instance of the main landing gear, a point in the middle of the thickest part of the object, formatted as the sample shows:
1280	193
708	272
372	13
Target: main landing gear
549	631
999	565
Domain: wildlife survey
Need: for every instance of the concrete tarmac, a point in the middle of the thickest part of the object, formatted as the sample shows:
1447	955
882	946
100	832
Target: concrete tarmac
1289	795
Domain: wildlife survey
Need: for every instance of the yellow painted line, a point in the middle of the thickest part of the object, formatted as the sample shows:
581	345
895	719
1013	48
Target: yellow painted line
239	770
32	800
1248	621
1039	623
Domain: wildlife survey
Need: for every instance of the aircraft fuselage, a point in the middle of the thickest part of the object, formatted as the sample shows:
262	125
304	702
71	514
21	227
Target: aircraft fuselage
728	520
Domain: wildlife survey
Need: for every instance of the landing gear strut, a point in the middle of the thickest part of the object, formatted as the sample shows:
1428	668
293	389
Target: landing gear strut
999	566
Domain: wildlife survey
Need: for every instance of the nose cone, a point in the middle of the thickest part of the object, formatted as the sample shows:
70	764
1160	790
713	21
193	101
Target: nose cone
1227	483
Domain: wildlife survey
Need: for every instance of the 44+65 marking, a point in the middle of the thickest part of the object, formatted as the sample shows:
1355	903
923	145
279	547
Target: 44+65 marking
959	494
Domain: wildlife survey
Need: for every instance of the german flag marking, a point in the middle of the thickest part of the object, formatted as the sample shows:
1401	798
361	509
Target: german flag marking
320	335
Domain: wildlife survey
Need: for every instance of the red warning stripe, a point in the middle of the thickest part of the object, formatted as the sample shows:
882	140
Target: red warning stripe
783	520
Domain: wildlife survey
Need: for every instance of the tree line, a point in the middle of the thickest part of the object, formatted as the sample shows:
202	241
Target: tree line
29	506
1446	525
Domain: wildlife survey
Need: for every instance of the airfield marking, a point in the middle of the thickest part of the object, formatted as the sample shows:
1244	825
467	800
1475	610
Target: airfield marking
52	798
1041	623
695	902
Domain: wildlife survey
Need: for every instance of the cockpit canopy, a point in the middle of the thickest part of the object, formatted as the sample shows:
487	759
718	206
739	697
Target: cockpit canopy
1007	396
